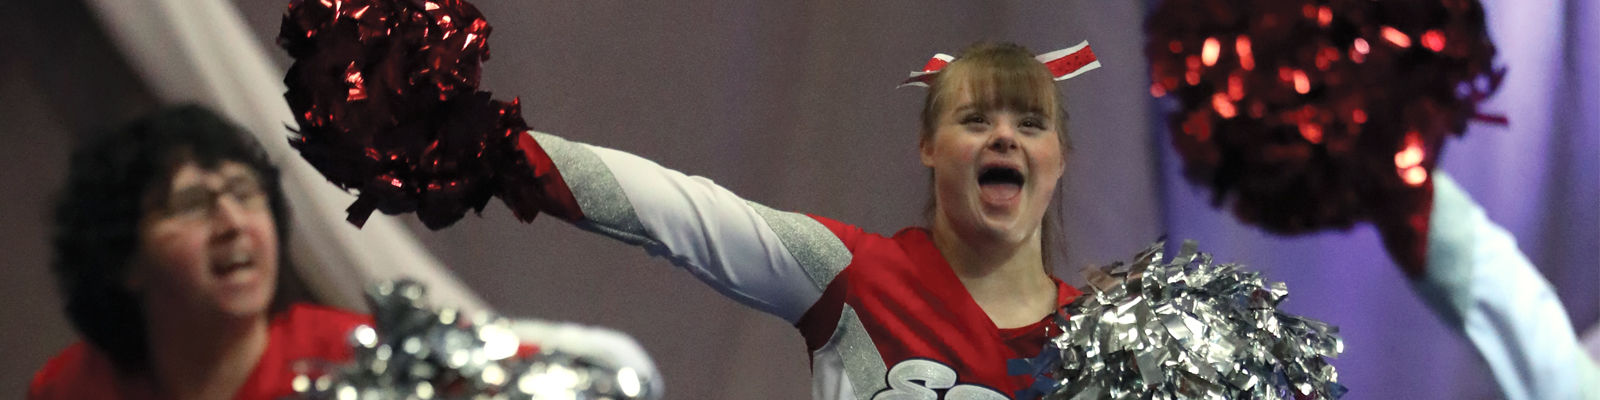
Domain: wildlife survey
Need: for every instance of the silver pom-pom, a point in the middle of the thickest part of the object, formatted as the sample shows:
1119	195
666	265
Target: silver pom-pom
417	352
1185	329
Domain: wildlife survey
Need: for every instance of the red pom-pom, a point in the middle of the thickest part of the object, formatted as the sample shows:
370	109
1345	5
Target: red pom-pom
1314	114
386	96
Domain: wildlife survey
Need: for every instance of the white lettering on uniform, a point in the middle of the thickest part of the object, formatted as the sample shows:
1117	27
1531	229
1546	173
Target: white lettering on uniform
917	379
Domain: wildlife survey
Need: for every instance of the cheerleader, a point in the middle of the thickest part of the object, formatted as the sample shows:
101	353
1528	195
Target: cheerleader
929	311
169	245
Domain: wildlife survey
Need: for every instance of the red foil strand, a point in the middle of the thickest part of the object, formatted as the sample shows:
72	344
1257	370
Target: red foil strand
1297	125
386	96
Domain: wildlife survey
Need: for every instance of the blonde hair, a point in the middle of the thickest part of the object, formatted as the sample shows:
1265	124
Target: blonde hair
1001	76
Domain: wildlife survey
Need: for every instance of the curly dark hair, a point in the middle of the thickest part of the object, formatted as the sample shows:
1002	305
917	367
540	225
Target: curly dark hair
110	186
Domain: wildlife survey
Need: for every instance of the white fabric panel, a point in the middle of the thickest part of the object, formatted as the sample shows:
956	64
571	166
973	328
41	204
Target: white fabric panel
828	380
1482	284
714	234
200	51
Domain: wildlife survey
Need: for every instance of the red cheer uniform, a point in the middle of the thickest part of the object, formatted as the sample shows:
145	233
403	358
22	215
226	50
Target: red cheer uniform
303	332
883	317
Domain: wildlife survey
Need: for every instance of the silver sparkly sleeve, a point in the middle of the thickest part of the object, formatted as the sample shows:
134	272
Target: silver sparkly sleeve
1482	285
777	262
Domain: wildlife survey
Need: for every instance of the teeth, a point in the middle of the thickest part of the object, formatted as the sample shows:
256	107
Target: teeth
232	262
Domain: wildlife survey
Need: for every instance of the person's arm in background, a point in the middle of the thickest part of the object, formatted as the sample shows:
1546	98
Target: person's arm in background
1591	341
1481	284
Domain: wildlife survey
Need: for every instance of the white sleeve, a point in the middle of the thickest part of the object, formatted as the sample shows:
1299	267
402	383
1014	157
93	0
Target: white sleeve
1484	287
777	262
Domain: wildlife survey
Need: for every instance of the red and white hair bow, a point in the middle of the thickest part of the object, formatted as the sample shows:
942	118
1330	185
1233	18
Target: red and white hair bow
1064	64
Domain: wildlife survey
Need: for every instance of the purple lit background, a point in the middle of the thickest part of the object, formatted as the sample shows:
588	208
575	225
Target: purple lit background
1536	177
791	104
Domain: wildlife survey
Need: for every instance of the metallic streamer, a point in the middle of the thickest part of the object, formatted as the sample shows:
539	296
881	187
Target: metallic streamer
417	352
1185	328
385	93
1305	115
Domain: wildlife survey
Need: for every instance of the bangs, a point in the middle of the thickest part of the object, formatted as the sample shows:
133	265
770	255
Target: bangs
999	77
1024	86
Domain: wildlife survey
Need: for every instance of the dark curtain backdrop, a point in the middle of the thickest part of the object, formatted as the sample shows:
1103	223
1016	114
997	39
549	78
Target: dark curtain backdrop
792	105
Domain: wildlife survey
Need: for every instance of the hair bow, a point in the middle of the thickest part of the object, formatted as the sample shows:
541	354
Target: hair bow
1064	64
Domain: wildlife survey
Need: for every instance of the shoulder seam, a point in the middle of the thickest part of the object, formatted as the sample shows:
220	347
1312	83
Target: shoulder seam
819	252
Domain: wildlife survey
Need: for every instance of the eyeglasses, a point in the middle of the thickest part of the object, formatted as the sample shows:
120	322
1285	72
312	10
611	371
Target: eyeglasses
201	202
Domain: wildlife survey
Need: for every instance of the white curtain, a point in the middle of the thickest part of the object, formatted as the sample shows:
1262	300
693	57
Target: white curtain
201	51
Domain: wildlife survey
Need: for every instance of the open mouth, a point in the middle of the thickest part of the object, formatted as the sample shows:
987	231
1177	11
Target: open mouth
232	263
1000	184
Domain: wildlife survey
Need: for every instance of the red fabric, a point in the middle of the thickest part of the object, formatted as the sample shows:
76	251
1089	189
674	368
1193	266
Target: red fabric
555	198
302	332
913	306
1071	62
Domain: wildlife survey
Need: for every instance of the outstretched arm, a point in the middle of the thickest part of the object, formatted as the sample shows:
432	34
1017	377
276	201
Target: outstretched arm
777	262
1484	287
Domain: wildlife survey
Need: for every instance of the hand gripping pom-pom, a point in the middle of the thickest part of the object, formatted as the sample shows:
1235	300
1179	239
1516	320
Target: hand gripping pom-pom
1310	115
386	96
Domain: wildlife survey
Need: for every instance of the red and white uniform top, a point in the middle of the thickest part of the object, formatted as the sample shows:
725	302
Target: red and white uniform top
883	317
302	332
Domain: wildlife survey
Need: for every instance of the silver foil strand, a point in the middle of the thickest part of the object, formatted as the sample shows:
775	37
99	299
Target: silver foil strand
419	352
1186	328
